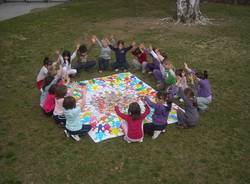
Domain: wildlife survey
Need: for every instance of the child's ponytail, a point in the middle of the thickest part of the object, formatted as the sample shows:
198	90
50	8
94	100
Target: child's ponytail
205	74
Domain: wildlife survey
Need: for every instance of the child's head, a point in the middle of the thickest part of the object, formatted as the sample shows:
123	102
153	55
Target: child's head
48	79
160	97
120	44
180	73
52	89
190	94
168	65
66	55
105	43
134	110
201	75
169	97
82	51
137	51
60	91
47	62
69	102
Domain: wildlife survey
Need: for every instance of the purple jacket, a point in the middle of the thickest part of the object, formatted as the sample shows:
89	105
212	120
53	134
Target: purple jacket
204	88
161	112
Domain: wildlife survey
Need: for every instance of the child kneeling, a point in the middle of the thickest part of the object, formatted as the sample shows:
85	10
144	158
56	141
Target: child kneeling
133	127
73	126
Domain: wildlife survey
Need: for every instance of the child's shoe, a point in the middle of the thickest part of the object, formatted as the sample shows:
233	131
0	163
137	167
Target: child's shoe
100	71
76	137
125	139
66	133
117	70
163	131
150	73
156	134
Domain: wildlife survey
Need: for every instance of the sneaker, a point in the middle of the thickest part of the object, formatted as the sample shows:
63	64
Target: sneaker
125	139
100	71
66	133
150	73
156	134
163	131
116	70
141	141
76	137
181	100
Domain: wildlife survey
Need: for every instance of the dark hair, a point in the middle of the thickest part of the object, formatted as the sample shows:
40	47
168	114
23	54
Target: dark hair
201	75
161	95
82	49
66	53
69	102
137	51
179	72
169	97
52	89
48	79
60	91
120	42
190	94
134	110
47	61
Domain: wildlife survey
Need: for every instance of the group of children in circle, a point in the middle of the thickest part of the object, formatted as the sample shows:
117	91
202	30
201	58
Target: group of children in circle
189	86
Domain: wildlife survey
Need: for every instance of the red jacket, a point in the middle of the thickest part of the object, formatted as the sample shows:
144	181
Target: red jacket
135	130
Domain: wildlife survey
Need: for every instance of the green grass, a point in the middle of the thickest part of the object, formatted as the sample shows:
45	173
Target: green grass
34	150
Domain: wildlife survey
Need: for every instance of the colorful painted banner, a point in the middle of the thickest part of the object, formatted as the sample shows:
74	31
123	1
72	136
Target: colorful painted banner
103	94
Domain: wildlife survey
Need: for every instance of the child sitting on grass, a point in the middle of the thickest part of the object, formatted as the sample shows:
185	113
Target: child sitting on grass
120	53
203	88
66	59
58	114
49	102
160	115
190	117
133	125
73	126
140	60
105	54
43	73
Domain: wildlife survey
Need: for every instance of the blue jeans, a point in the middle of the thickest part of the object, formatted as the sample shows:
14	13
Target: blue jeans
120	65
85	129
103	64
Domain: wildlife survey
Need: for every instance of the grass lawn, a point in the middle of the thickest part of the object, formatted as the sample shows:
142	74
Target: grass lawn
34	150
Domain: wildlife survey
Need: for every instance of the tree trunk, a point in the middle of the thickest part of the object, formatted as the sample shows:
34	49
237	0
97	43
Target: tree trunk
188	11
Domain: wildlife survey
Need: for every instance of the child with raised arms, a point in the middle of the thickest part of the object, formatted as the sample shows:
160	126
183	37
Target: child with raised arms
133	125
160	115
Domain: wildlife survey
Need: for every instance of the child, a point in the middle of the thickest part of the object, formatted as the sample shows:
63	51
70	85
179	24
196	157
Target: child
204	92
120	53
160	115
133	126
72	112
43	73
140	60
47	83
190	117
65	59
58	114
203	88
49	102
181	78
105	54
82	62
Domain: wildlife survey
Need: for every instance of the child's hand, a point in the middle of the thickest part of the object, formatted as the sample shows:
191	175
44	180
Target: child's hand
185	65
78	46
112	36
150	47
93	40
57	52
142	46
133	43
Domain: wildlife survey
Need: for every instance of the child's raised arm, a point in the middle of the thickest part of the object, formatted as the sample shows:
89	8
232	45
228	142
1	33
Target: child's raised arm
120	114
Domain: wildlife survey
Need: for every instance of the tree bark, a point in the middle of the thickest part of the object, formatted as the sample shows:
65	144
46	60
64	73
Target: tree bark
188	11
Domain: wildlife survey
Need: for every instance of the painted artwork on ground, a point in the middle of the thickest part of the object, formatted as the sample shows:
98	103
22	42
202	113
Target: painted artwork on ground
103	94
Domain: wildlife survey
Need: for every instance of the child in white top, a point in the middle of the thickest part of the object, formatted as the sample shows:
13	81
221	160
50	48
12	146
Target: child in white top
43	72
